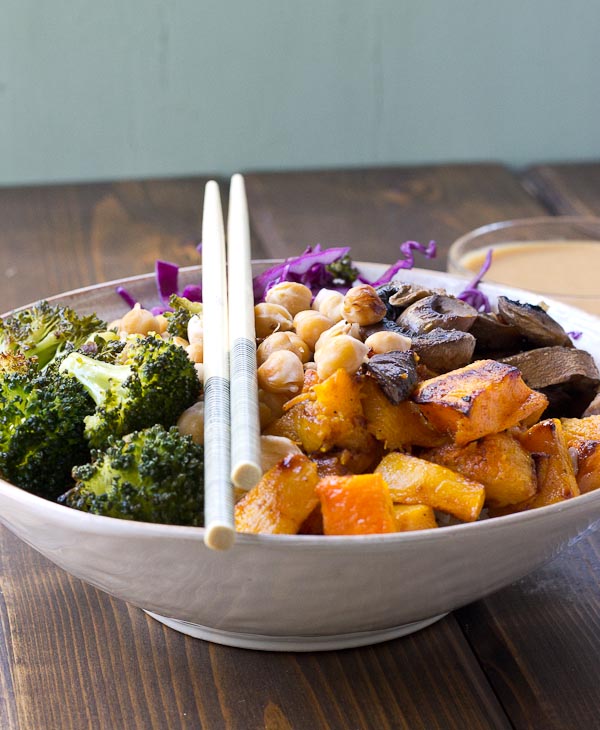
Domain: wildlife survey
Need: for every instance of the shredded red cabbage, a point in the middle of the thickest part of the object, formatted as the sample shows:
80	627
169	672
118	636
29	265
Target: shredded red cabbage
126	296
406	249
575	335
310	269
471	294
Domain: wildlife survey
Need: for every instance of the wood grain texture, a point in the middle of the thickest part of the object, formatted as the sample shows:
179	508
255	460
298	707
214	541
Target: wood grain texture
567	189
78	658
57	238
375	210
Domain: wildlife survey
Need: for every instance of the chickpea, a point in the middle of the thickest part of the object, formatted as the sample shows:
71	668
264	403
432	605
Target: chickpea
386	341
363	305
115	325
191	422
309	326
283	341
289	294
195	351
179	341
162	323
342	351
275	448
138	321
340	328
281	372
330	303
271	318
199	368
195	330
270	406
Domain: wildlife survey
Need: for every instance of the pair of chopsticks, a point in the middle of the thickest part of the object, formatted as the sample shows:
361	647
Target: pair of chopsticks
231	424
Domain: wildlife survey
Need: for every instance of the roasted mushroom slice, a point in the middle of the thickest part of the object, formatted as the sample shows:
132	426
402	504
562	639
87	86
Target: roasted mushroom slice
397	295
533	323
438	311
567	376
444	350
395	373
492	335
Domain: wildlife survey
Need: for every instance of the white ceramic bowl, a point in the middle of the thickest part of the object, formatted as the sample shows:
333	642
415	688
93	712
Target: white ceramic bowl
299	592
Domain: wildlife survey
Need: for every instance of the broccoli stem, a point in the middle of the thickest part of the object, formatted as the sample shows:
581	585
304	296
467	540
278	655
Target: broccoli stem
96	376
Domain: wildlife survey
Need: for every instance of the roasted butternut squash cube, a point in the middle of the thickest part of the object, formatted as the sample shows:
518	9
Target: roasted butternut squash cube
397	426
555	474
329	415
583	435
497	461
415	481
482	398
356	505
282	500
414	517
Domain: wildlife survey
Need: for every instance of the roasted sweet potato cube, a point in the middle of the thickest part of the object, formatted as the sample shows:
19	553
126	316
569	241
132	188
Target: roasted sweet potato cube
356	505
282	500
414	517
415	481
482	398
497	461
399	425
583	435
555	475
329	415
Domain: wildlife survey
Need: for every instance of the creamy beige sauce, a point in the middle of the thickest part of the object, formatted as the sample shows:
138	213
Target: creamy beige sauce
567	270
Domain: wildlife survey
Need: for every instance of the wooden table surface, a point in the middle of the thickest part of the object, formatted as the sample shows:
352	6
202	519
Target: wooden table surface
72	657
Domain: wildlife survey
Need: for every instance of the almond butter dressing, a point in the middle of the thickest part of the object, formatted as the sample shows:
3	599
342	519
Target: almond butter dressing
565	270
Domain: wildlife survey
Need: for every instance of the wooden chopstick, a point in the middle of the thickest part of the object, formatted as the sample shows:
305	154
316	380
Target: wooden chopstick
245	428
218	492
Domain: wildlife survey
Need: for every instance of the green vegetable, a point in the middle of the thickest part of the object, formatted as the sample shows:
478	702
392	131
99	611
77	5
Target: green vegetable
152	475
183	311
45	330
343	271
155	383
41	427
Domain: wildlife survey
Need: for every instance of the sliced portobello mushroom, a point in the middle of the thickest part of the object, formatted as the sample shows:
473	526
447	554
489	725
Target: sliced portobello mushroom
397	295
395	373
438	311
444	350
567	376
492	335
533	323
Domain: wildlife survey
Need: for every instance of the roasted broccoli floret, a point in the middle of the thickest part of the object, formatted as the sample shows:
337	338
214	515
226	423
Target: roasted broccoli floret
45	330
155	383
41	428
153	475
183	311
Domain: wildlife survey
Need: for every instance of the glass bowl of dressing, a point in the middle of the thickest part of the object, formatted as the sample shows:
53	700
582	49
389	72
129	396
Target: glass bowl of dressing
558	257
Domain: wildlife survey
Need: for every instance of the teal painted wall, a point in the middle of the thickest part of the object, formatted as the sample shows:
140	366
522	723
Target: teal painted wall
127	88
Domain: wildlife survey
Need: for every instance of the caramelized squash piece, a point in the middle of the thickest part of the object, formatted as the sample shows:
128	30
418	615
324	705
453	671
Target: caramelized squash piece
482	398
397	426
555	476
356	505
416	481
583	435
497	461
282	500
329	415
414	517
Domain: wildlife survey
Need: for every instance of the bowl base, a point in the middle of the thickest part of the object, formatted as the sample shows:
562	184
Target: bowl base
293	643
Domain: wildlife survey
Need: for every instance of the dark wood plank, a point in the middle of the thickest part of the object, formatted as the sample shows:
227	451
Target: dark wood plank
56	238
373	211
79	659
566	189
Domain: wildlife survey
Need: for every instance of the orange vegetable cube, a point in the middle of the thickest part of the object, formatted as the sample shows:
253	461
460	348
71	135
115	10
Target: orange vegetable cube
356	505
416	481
482	398
282	500
414	517
583	434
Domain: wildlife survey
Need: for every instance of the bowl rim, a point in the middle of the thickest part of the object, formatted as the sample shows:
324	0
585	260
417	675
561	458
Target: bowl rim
454	251
116	526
